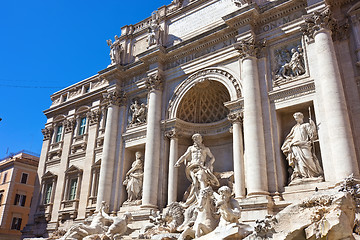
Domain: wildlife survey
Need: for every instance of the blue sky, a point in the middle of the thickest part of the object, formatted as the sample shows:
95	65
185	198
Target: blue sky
46	46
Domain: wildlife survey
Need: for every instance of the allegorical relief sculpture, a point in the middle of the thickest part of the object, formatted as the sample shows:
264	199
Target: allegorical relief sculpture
116	50
198	170
299	151
155	32
99	226
290	64
138	112
134	180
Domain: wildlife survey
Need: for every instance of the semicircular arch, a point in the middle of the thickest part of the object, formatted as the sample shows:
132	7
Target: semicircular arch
221	75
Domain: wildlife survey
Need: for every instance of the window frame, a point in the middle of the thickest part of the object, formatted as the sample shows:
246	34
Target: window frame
26	179
59	133
82	126
16	223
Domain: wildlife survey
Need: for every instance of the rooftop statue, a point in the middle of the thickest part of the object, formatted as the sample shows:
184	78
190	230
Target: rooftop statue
115	50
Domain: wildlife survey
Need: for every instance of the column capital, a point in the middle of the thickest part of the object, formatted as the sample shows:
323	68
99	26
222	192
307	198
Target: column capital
69	125
115	97
235	117
317	21
172	133
47	132
154	82
93	116
248	47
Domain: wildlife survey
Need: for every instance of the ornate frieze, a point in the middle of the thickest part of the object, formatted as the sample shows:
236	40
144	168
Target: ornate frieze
117	98
76	147
47	132
69	125
289	63
154	82
139	113
93	116
317	21
248	47
235	117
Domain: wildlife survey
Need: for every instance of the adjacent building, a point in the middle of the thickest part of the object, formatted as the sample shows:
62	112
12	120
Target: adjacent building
18	175
234	71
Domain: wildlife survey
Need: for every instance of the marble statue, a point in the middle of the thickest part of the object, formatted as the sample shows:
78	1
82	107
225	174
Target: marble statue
119	225
198	169
99	226
134	179
298	148
115	50
138	113
206	220
228	207
154	35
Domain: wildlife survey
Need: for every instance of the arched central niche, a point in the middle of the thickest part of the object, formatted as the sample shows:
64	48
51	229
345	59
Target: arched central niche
204	103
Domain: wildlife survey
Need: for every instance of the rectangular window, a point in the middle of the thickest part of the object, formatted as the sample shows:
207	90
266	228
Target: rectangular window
20	200
4	179
73	186
58	133
1	196
16	223
24	178
82	126
48	191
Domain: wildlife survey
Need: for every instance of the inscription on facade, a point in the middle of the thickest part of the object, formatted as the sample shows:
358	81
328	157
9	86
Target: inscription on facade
200	18
200	53
277	23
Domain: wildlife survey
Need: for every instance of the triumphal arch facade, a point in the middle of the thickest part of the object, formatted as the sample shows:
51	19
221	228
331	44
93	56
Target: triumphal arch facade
256	102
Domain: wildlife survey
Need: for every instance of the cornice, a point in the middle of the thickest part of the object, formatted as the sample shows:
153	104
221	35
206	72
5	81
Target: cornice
76	101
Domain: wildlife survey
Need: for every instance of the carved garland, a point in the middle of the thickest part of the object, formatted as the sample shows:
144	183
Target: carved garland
93	116
69	125
47	132
202	75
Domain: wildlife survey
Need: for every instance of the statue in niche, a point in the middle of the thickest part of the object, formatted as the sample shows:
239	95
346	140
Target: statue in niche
115	50
134	179
293	65
299	151
198	170
138	113
154	36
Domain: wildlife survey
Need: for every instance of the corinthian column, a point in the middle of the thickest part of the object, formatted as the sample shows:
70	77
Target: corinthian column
256	177
238	154
330	92
173	172
152	148
115	100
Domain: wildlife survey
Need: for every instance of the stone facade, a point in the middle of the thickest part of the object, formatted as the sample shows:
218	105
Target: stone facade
233	71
